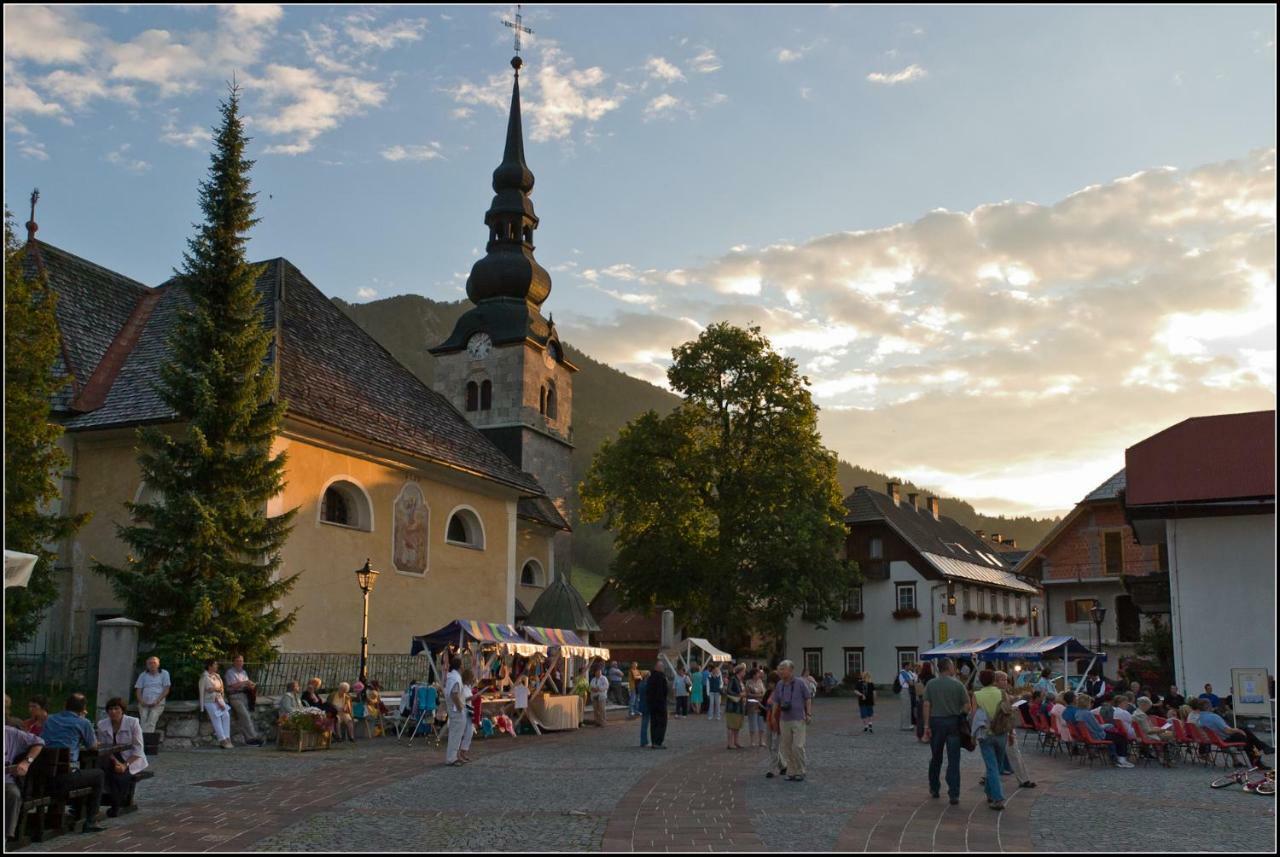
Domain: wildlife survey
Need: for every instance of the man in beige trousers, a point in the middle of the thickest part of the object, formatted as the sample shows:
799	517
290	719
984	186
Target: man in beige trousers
794	703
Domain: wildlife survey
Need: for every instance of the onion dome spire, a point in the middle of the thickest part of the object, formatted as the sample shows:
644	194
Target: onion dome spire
508	269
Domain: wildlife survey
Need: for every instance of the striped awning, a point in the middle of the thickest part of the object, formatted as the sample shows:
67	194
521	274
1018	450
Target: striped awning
564	642
1038	648
962	648
465	631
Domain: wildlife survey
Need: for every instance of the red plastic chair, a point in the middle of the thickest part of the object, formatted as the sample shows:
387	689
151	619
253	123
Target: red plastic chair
1093	746
1197	738
1047	737
1160	748
1183	739
1221	748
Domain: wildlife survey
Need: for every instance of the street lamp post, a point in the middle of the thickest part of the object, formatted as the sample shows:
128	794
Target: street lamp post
365	576
1098	613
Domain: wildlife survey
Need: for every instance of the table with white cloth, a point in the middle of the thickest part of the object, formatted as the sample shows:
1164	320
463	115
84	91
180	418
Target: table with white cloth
555	713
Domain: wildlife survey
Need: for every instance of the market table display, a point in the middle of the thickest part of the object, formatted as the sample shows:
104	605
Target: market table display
556	713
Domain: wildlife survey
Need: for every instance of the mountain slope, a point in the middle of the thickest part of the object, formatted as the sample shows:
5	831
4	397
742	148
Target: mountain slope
605	400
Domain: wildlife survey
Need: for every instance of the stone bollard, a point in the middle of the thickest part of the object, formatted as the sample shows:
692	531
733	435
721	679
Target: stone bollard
117	658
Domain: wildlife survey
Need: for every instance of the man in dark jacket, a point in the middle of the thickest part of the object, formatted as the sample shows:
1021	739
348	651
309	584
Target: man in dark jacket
655	694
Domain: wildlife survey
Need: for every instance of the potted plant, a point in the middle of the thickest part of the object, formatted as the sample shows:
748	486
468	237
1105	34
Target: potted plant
302	730
908	613
1021	620
982	617
850	616
971	615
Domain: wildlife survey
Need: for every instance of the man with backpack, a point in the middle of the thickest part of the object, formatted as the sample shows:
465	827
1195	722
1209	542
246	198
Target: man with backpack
992	723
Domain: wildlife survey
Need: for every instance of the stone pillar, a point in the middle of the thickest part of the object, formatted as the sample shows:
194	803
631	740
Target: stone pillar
668	629
117	659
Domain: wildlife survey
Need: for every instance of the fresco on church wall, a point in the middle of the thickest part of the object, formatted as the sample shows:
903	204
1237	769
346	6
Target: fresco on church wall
410	531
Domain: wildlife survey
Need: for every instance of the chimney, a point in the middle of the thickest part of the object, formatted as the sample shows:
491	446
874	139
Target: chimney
995	537
982	534
914	500
932	503
891	488
1013	543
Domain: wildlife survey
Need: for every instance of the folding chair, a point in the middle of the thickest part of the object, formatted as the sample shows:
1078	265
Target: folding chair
1160	749
1220	748
426	704
1093	746
360	714
417	697
1198	739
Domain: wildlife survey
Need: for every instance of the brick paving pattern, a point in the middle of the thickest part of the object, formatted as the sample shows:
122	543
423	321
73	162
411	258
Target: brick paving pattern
597	790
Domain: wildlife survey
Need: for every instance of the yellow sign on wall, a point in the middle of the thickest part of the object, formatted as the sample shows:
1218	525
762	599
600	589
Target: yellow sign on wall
942	633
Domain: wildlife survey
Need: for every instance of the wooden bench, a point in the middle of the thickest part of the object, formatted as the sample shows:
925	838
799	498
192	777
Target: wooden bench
37	799
101	758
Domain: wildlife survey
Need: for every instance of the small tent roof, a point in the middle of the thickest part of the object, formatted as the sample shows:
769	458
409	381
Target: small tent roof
472	631
564	641
562	606
961	648
698	642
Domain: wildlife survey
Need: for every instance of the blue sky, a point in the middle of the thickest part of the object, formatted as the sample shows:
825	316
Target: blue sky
698	163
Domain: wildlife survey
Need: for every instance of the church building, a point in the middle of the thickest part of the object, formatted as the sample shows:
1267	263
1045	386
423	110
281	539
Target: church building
456	494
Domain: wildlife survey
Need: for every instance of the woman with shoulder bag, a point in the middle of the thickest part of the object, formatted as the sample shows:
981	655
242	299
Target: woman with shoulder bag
733	694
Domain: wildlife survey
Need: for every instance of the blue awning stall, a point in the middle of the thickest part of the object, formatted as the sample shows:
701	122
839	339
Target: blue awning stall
1039	648
463	632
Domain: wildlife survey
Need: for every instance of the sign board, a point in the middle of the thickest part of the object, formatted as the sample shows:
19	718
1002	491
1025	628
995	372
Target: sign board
942	633
1250	692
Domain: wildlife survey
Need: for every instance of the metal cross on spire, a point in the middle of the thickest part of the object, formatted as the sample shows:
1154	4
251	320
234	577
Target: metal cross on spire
519	27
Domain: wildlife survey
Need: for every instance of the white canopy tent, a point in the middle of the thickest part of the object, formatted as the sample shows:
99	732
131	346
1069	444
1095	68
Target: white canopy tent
691	651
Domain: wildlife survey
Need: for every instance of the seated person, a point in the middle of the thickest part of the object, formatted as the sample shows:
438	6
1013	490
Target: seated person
1119	743
1069	708
289	701
70	728
1211	721
1214	701
20	750
340	703
38	706
119	729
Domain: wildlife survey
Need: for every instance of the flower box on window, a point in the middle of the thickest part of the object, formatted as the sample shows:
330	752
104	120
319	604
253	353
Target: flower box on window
850	616
906	613
971	614
982	617
1021	620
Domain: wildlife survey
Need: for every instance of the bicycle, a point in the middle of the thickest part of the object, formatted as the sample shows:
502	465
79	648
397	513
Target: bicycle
1255	780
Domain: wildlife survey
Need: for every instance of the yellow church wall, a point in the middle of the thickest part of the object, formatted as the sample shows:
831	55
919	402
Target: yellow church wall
459	583
532	542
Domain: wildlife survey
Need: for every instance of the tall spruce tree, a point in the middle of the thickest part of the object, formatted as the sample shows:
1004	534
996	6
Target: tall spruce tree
32	457
204	552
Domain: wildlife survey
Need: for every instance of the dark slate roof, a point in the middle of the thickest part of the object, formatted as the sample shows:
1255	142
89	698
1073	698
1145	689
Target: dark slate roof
1109	490
562	606
944	536
331	371
541	510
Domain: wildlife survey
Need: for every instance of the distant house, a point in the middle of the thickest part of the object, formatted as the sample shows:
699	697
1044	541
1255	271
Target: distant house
1086	561
630	635
1204	493
926	579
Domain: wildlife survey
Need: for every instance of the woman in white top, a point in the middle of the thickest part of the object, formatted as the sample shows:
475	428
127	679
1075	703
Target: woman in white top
119	729
214	702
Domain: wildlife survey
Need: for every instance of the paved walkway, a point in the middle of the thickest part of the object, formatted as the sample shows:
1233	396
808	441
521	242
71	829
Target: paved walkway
595	789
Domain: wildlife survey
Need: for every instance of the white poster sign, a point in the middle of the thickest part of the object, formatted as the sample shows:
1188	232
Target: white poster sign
1250	692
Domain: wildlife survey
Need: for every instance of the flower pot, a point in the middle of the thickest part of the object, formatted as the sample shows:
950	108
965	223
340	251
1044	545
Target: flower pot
300	742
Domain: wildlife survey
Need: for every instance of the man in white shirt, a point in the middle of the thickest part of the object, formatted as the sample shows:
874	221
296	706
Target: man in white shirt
455	704
599	693
238	689
151	688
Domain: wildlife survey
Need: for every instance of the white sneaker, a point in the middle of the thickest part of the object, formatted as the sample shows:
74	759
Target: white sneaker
1124	763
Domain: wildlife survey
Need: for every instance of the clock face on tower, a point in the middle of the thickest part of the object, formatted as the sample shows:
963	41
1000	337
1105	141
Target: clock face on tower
479	346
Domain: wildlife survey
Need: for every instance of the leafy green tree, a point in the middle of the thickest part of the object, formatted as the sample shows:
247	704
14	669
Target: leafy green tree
204	552
727	510
32	458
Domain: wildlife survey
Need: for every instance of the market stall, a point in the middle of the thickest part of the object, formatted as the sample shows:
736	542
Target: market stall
563	710
693	653
1045	649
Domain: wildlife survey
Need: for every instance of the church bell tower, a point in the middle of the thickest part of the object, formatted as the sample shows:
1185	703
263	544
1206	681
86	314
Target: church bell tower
503	366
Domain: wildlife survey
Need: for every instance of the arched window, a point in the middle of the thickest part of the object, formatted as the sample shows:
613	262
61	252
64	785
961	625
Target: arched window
465	528
346	504
542	400
551	401
473	396
486	395
531	574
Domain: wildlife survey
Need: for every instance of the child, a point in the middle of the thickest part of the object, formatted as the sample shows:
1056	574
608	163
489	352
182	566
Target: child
866	692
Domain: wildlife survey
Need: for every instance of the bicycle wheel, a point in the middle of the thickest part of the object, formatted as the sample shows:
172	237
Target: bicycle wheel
1266	787
1225	780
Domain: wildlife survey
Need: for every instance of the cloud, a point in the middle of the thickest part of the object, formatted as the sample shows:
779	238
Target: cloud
388	35
78	89
47	35
908	74
34	150
121	158
661	69
308	103
429	152
705	61
1012	350
193	137
664	105
367	294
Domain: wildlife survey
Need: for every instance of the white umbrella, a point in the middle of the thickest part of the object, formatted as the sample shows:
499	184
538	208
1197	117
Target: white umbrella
17	568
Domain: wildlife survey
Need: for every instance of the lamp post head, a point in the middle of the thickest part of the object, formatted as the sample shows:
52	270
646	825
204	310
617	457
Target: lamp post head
1098	614
365	576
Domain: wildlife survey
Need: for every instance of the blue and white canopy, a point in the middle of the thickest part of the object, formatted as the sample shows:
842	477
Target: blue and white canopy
962	648
1039	648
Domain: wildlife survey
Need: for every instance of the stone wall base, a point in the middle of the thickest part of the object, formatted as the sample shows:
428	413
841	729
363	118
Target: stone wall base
182	726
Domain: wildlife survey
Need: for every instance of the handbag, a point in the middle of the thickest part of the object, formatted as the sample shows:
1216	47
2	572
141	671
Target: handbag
966	736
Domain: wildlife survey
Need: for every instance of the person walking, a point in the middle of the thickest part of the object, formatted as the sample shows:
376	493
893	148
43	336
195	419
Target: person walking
214	703
644	711
777	767
152	688
946	703
922	681
599	694
794	702
655	692
697	689
866	691
735	697
1012	751
992	720
471	712
634	677
683	685
755	707
715	683
616	693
